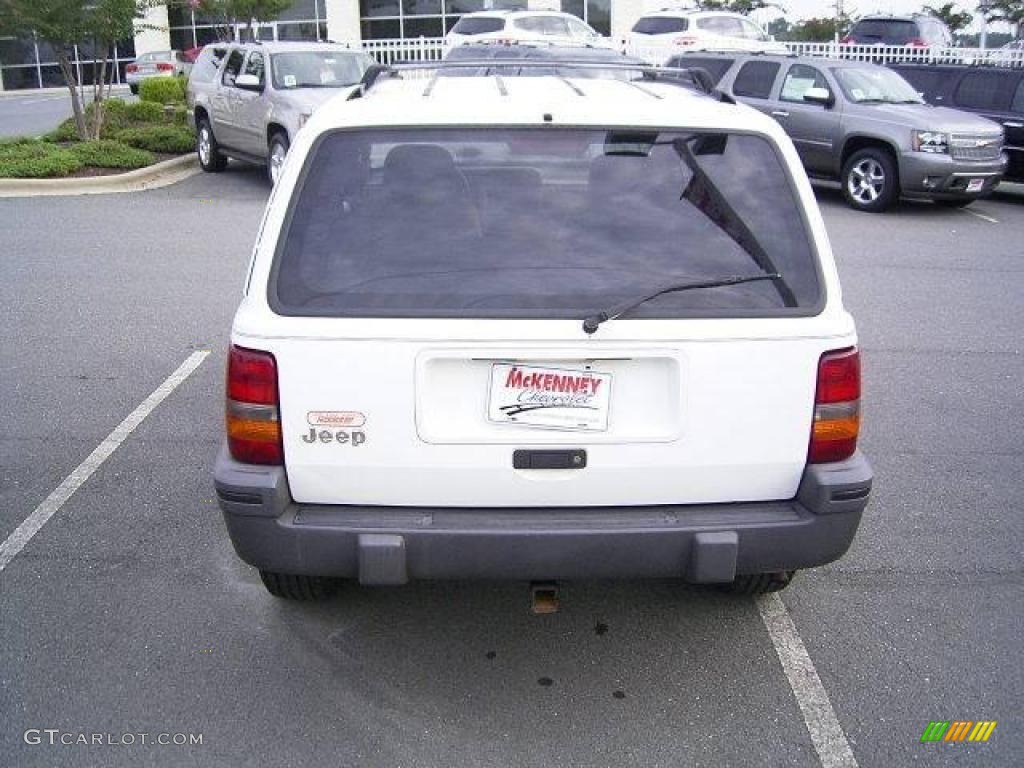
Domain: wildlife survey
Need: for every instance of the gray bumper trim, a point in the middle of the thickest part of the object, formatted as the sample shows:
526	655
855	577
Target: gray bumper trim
390	545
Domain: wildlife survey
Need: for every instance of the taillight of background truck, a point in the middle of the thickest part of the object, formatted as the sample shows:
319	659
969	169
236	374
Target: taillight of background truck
252	415
836	407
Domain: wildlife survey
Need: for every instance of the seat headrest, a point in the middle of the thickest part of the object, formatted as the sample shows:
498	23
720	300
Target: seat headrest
418	163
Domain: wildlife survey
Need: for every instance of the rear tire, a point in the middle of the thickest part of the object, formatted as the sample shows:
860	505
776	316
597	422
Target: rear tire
210	158
292	587
870	180
759	583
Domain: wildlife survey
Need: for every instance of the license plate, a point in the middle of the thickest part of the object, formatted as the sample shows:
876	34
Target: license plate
549	398
975	185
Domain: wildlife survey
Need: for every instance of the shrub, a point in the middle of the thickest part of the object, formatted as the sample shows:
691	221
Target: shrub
66	131
33	159
111	154
145	112
171	139
163	90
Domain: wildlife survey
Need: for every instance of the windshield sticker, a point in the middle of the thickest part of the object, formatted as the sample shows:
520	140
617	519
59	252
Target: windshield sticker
290	81
326	77
858	94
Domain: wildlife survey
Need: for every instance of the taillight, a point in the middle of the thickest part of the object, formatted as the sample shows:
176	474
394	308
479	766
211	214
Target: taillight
252	413
685	40
165	66
846	40
132	68
917	42
836	407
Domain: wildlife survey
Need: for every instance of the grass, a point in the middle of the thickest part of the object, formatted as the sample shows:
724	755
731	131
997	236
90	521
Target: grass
131	134
34	159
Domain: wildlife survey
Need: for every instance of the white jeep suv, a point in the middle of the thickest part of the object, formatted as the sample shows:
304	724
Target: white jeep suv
660	35
541	328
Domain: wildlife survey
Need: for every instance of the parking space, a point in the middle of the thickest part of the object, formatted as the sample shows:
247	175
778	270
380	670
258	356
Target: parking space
129	612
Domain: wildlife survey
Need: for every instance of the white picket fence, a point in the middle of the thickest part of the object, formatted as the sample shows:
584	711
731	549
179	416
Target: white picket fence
432	49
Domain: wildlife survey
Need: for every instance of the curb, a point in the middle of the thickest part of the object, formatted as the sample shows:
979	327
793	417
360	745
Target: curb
152	177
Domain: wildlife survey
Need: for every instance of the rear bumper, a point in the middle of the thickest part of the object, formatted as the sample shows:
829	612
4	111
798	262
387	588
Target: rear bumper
392	545
938	176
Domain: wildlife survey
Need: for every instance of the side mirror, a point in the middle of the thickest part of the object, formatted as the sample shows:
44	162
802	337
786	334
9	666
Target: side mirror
249	83
819	96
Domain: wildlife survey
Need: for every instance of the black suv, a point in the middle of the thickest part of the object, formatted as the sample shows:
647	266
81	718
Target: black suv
993	92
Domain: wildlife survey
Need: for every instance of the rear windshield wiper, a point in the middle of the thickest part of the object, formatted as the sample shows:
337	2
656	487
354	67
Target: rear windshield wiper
591	323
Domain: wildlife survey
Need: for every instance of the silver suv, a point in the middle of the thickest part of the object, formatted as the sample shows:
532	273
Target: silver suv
867	127
247	101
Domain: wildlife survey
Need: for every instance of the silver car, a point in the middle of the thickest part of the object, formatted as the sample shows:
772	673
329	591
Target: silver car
247	101
867	127
156	64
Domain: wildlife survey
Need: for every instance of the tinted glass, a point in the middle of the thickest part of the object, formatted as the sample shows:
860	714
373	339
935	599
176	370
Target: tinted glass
755	79
799	79
552	223
543	25
660	25
927	80
232	68
715	65
478	25
887	31
982	90
317	69
1018	99
254	65
721	25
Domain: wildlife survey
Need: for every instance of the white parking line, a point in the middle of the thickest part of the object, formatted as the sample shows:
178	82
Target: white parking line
982	216
826	733
31	525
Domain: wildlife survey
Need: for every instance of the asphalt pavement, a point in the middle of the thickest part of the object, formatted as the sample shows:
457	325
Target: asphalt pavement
129	613
34	113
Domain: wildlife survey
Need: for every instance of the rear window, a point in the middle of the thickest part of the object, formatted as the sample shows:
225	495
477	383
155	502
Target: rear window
540	223
478	25
888	31
983	90
543	25
715	65
755	79
660	25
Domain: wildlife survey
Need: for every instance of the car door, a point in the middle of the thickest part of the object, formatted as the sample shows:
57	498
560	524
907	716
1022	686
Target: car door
814	128
250	107
754	83
995	93
223	103
1013	125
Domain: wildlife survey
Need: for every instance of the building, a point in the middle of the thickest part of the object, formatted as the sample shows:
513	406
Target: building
32	64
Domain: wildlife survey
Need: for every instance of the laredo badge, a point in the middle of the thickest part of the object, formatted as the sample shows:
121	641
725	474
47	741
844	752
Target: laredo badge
335	427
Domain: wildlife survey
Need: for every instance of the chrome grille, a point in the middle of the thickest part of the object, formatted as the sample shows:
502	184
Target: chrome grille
976	147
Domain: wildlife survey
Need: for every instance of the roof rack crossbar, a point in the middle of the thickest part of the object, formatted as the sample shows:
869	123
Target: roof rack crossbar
695	78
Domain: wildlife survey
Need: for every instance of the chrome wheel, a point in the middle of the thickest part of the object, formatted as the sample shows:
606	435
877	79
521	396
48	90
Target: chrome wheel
278	152
866	181
204	144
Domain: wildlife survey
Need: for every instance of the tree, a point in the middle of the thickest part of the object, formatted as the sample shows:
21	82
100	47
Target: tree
233	12
65	23
779	28
815	30
1009	11
950	16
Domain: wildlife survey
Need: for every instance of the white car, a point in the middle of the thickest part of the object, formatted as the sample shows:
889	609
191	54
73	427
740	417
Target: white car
552	26
537	328
660	35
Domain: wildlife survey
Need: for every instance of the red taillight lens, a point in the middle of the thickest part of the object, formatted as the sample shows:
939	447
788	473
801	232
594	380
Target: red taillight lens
252	415
165	66
917	42
836	407
132	68
846	40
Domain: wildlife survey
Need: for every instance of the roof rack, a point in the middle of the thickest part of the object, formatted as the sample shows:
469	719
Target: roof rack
693	78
